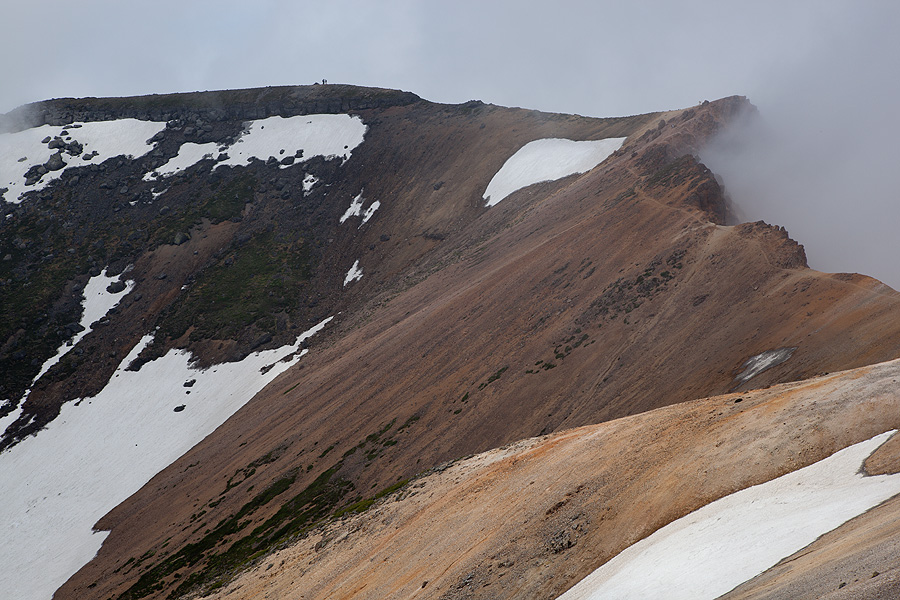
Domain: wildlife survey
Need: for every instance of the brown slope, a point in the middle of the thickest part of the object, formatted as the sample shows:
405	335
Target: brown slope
514	286
412	147
532	519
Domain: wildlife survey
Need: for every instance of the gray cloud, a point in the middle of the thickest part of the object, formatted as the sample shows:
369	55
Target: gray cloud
568	56
821	72
822	158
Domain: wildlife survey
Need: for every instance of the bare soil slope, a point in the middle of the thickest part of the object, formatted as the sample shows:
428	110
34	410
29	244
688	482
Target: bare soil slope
533	518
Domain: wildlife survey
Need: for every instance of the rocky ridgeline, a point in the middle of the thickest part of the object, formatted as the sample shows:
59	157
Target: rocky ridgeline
227	105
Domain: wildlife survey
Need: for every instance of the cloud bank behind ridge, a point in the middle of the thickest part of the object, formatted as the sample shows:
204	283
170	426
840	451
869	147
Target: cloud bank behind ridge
821	161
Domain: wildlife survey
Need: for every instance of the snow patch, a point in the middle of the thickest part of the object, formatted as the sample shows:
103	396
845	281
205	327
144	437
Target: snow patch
308	182
56	485
316	135
355	208
547	160
755	365
353	274
369	212
100	140
716	548
10	418
96	302
188	155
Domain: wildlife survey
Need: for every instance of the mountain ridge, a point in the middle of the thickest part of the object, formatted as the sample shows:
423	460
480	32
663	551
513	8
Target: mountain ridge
250	103
572	302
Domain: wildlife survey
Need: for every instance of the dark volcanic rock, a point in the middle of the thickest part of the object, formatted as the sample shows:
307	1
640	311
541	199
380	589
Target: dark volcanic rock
208	107
55	163
116	286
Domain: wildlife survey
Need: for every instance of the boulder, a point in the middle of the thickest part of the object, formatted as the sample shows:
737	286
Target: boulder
55	163
115	287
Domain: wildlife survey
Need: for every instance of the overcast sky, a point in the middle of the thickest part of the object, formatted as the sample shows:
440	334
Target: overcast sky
822	72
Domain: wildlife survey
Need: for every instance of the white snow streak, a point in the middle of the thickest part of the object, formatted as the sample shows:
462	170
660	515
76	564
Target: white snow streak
369	212
56	485
10	418
107	138
547	160
316	135
188	155
355	208
755	365
716	548
96	302
353	274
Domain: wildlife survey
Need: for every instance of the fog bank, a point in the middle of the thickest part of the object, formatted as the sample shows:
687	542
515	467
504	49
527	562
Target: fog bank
823	158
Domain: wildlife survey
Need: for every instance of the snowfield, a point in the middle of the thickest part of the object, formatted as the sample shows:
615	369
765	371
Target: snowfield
727	542
547	160
279	137
106	138
289	140
56	485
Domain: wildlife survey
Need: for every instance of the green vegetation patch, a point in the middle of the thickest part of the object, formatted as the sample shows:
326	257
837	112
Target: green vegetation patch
223	202
493	378
227	547
298	514
255	282
363	505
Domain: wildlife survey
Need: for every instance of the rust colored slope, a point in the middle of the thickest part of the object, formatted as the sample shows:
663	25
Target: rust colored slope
464	343
532	519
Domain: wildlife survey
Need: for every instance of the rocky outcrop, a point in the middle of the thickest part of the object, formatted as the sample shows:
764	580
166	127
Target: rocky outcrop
208	106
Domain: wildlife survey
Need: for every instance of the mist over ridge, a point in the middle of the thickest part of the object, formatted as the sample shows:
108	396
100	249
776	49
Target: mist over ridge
820	156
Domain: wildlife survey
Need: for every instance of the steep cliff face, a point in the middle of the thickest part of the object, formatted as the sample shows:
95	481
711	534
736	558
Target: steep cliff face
455	326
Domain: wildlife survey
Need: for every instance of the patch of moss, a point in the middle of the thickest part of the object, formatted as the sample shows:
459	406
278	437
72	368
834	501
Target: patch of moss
363	505
302	511
255	282
493	378
225	201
